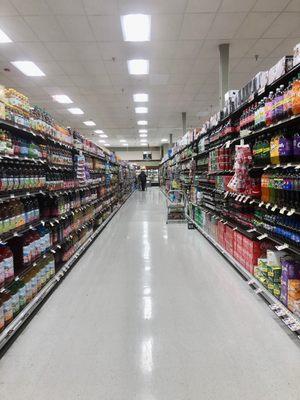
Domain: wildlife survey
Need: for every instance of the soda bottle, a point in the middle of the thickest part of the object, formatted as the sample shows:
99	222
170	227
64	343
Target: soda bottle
285	147
15	298
274	149
7	307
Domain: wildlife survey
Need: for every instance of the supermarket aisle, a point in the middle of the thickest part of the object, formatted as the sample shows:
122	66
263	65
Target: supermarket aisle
151	312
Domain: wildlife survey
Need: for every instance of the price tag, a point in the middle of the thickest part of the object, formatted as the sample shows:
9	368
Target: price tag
251	230
287	165
266	167
227	144
225	223
57	278
251	282
12	196
274	306
241	198
246	199
280	312
291	212
56	220
274	208
252	201
288	320
58	246
298	167
258	291
261	237
261	204
234	229
268	205
282	210
282	246
237	197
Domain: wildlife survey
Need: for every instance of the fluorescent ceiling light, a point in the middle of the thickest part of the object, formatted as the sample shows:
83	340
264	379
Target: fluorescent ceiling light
28	68
62	98
143	140
75	110
106	144
141	110
125	144
143	135
89	123
142	122
138	67
136	27
140	97
103	135
164	140
4	38
143	130
122	141
101	141
99	131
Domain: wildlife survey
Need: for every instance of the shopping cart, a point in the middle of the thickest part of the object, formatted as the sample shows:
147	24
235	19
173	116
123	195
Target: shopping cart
176	204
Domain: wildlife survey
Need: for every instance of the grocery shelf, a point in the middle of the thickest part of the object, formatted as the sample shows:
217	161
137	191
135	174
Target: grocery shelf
17	322
291	321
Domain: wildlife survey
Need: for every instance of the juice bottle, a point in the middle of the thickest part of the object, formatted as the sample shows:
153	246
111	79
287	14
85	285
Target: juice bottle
28	287
285	147
279	106
15	298
2	272
296	97
2	321
27	249
265	150
274	149
34	285
296	147
7	307
22	293
271	189
8	262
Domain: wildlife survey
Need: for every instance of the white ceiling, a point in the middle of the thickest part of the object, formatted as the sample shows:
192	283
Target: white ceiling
79	46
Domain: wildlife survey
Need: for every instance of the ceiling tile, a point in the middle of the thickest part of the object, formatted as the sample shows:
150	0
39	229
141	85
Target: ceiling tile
17	29
36	51
6	8
72	67
239	47
196	26
237	6
66	7
65	51
225	25
106	28
285	48
294	5
31	7
187	49
95	67
46	28
284	25
255	25
158	79
100	7
263	47
116	67
151	7
165	26
270	5
76	28
196	6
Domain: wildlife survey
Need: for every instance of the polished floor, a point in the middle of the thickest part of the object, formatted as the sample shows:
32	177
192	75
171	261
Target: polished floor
152	312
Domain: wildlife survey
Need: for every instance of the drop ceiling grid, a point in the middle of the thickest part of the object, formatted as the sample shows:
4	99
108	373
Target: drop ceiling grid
74	42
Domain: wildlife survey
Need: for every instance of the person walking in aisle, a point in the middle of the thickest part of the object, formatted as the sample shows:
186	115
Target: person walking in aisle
143	180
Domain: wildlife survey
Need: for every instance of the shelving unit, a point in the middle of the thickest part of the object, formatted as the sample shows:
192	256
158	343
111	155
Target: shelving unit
55	197
228	216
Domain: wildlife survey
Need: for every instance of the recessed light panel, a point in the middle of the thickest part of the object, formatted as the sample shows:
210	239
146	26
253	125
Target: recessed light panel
28	68
138	67
136	27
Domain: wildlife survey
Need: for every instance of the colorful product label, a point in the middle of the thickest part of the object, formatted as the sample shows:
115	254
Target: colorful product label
8	311
8	267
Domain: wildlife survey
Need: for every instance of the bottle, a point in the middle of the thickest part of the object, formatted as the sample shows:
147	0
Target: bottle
265	150
15	298
274	149
7	307
296	147
285	148
2	322
8	262
296	97
22	294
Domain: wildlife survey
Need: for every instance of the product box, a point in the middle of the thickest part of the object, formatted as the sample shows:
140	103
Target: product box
274	257
296	54
280	68
259	81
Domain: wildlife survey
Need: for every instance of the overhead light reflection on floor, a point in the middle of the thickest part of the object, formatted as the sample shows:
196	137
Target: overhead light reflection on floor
147	307
146	356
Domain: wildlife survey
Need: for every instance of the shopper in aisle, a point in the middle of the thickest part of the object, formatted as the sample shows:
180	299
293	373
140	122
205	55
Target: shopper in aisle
143	180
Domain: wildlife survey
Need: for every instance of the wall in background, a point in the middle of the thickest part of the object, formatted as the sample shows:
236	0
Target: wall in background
135	154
